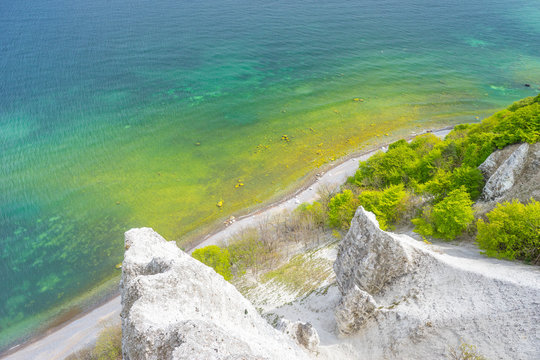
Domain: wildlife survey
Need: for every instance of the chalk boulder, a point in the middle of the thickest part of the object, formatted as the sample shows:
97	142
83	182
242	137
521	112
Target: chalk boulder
303	334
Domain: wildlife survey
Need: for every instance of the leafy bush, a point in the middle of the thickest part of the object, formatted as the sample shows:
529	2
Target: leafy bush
512	231
438	168
444	182
468	177
522	125
520	122
314	213
387	205
215	257
390	168
341	209
448	218
467	145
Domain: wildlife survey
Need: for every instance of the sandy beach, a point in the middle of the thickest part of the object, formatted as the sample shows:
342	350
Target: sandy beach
83	331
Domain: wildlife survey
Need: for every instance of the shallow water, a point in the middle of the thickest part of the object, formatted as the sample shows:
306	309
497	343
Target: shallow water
118	114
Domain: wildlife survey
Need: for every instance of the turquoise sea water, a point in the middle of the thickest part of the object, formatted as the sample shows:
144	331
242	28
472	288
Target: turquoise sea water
117	114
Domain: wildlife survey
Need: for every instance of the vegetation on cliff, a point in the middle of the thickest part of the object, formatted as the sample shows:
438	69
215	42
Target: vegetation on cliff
443	173
512	231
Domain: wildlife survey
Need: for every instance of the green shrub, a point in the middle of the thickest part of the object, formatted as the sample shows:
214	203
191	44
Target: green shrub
215	257
423	144
512	231
446	156
341	209
314	213
387	205
443	182
390	168
468	177
448	218
522	125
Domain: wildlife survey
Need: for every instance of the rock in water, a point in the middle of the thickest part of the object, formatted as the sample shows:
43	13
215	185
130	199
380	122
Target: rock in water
174	307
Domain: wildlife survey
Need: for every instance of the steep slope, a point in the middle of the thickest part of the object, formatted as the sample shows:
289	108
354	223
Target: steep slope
174	307
399	299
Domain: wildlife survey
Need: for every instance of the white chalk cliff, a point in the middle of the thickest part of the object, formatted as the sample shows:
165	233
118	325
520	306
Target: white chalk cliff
174	307
402	300
396	298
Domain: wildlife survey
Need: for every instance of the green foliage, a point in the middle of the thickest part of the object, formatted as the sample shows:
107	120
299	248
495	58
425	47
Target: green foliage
522	125
217	258
443	182
512	231
437	168
423	144
314	212
468	177
427	157
341	209
519	123
390	168
387	205
448	218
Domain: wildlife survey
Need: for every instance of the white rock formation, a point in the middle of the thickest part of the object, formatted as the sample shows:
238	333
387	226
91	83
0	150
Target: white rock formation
174	307
505	175
402	300
368	259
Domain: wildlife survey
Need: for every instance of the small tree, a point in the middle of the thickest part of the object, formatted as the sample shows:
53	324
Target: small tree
215	257
448	218
387	205
341	209
512	231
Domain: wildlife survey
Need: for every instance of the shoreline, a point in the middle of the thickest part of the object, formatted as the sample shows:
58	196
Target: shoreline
60	341
309	180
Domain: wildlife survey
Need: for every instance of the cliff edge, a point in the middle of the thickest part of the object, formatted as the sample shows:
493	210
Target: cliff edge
174	307
404	299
